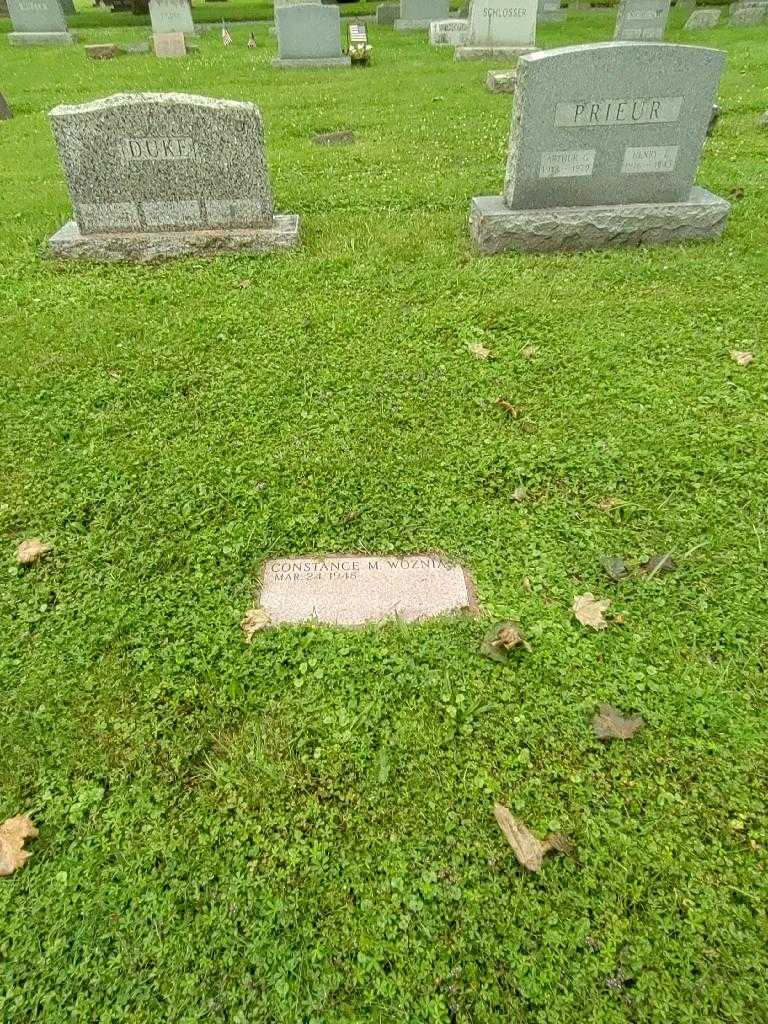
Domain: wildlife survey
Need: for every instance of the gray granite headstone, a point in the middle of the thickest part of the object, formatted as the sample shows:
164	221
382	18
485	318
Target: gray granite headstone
153	175
353	590
643	20
499	28
171	16
604	148
705	17
68	7
452	32
746	17
309	35
5	111
387	14
38	23
419	14
550	10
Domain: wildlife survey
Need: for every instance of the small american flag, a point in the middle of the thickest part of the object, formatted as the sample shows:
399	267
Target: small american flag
226	38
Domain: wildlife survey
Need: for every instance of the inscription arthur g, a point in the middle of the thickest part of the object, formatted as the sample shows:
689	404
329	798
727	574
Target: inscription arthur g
612	112
157	149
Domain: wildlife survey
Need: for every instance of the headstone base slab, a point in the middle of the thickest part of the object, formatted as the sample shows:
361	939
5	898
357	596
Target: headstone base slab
42	38
492	52
496	228
70	244
311	62
409	25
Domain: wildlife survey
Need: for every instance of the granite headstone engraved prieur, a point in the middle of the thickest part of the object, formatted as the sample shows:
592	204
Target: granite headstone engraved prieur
642	20
352	590
499	30
155	175
309	36
604	149
419	14
38	23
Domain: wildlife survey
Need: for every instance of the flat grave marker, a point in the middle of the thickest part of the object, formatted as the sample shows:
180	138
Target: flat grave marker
169	44
155	175
604	148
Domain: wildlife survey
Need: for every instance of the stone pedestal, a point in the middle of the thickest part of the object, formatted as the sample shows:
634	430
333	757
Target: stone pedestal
492	52
42	38
312	62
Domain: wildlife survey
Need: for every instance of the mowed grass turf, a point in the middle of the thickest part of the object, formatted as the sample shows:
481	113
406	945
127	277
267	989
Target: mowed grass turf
301	830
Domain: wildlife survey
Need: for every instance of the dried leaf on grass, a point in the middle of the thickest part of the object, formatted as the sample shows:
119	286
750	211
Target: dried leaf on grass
610	724
529	351
529	850
245	283
742	358
31	551
589	610
255	619
501	640
658	563
615	568
609	504
13	833
479	351
511	410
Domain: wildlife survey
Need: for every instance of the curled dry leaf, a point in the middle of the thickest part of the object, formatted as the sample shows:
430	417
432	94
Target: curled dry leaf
511	410
255	619
520	494
479	351
529	352
31	551
589	610
658	563
529	850
13	833
608	504
615	568
742	358
245	283
610	724
501	640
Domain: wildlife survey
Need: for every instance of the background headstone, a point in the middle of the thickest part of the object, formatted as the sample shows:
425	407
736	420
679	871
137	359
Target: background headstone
419	14
309	35
705	17
747	16
161	174
449	32
169	44
604	149
5	111
387	14
171	16
68	7
499	29
3	8
550	10
642	20
38	23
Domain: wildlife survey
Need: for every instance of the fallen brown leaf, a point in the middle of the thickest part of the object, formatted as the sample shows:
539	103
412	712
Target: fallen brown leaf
589	610
479	351
608	504
245	283
742	358
255	619
610	724
13	833
658	563
31	551
501	639
520	494
529	850
529	351
511	410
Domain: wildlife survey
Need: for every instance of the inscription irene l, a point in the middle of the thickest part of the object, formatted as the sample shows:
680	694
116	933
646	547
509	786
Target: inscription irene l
618	112
567	163
157	149
649	159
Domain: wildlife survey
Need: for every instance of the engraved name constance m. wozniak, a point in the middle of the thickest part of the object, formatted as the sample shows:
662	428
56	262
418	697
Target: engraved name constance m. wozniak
615	112
157	149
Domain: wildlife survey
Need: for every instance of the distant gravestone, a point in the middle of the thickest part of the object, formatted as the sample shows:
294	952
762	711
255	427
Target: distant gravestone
3	8
452	32
499	30
550	10
68	7
309	35
387	14
103	51
169	44
643	20
604	149
155	175
746	17
353	590
171	16
38	23
5	111
419	14
705	17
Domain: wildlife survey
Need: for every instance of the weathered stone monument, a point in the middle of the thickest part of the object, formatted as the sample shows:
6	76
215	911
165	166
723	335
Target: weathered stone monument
38	23
5	111
419	14
387	14
603	152
502	30
643	20
171	16
550	10
309	35
155	175
352	590
169	44
705	17
451	32
747	15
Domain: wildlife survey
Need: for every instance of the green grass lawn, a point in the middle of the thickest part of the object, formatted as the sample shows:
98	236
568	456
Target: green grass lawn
301	830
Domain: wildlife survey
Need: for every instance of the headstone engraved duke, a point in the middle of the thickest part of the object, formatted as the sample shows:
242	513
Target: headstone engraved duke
499	28
171	16
352	590
642	20
452	32
309	35
38	23
550	10
603	151
155	175
705	17
419	14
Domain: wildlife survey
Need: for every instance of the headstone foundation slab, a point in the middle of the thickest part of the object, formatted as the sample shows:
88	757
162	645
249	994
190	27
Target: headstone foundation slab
492	52
42	38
